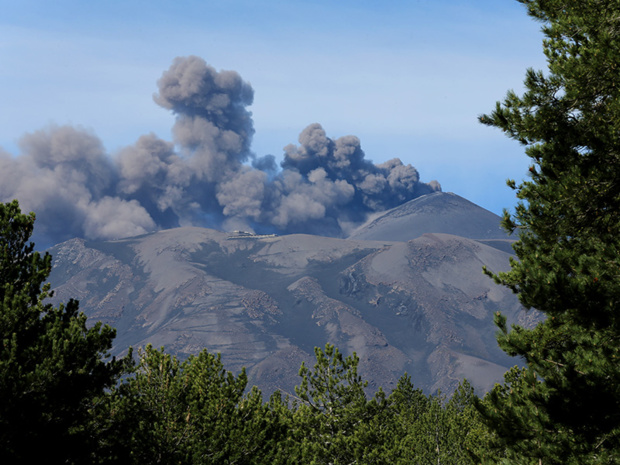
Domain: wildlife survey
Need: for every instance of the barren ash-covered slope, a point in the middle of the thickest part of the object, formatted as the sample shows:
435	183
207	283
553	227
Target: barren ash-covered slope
439	212
419	304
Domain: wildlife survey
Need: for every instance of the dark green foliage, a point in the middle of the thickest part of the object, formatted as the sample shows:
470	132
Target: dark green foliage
191	411
195	412
565	406
53	369
434	429
334	420
336	424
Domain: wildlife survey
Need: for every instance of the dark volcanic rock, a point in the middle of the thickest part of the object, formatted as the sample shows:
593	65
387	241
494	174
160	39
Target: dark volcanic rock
421	306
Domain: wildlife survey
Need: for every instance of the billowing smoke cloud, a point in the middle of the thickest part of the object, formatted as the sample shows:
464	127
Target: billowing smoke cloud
207	176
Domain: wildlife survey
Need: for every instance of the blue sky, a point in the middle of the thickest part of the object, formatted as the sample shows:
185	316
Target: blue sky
408	78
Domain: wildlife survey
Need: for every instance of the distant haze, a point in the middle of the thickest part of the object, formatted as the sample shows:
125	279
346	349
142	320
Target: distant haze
207	176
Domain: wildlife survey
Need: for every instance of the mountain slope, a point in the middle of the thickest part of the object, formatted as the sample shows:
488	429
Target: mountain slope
439	212
421	306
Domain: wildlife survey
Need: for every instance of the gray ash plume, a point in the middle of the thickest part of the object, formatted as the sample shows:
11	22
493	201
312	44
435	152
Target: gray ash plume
207	176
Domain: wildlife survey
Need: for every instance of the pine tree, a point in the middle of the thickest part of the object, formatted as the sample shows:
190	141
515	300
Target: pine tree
53	369
435	429
190	411
564	407
334	422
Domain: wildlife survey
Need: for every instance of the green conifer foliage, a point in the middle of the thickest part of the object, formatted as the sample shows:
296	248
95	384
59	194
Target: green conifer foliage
435	429
564	407
191	411
334	423
53	369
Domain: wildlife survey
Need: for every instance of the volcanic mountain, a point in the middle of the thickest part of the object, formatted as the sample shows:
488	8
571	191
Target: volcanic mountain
439	212
405	292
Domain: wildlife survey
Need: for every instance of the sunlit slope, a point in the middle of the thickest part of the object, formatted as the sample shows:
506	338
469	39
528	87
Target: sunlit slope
421	306
439	212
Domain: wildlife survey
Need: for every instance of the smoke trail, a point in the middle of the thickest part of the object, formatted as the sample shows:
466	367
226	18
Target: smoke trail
207	176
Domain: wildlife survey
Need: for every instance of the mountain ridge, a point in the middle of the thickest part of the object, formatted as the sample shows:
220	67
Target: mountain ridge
437	212
422	305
